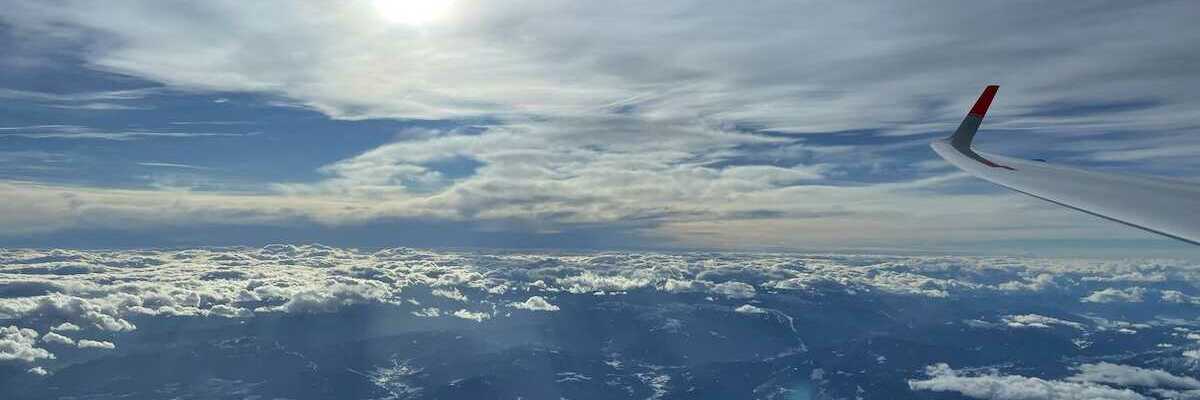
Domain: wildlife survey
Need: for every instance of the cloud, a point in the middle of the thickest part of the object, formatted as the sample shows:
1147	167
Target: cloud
472	315
588	282
1091	381
993	386
172	165
452	293
534	303
740	75
94	344
108	290
428	312
1124	375
18	344
734	290
678	286
587	126
336	296
227	311
101	107
51	337
1177	297
1113	295
503	197
76	97
98	313
749	309
1038	283
85	133
1038	321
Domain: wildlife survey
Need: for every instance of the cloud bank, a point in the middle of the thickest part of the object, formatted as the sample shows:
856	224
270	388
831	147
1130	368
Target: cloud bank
1092	381
53	300
992	386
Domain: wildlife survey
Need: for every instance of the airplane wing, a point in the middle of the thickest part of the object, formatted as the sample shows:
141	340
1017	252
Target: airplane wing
1163	206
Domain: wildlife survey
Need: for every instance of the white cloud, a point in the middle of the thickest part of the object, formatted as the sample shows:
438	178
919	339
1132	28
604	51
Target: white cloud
1114	295
976	323
534	303
588	282
734	290
96	344
472	315
450	69
109	288
452	293
1040	282
336	296
1038	321
124	135
111	95
39	371
96	314
1175	296
18	344
1124	375
1092	381
228	311
51	337
428	312
1177	394
749	309
992	386
678	286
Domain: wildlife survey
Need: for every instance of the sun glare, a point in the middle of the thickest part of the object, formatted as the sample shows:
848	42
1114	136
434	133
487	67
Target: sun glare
414	12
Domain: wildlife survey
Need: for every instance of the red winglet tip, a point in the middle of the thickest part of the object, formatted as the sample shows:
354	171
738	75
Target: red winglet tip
985	100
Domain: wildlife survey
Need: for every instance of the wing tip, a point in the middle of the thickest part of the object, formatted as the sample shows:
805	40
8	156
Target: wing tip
965	133
985	100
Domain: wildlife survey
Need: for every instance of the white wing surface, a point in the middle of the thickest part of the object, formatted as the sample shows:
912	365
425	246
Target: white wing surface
1163	206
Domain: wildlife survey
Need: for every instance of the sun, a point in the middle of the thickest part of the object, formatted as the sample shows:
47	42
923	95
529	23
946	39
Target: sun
414	12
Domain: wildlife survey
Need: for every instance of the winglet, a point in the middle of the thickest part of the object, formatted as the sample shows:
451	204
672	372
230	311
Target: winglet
985	100
966	131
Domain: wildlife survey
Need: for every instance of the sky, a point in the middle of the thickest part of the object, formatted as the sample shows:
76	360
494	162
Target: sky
769	125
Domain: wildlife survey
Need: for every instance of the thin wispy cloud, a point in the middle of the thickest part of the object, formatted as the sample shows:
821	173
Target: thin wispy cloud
133	135
101	107
172	165
88	133
79	97
212	123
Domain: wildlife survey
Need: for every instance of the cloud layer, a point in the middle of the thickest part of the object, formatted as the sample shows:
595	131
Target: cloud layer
56	300
1092	381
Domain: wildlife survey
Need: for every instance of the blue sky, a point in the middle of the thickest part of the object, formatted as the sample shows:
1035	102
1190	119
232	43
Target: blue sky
776	125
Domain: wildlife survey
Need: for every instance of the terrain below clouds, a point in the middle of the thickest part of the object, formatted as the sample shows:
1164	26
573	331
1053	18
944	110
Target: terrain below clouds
311	321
